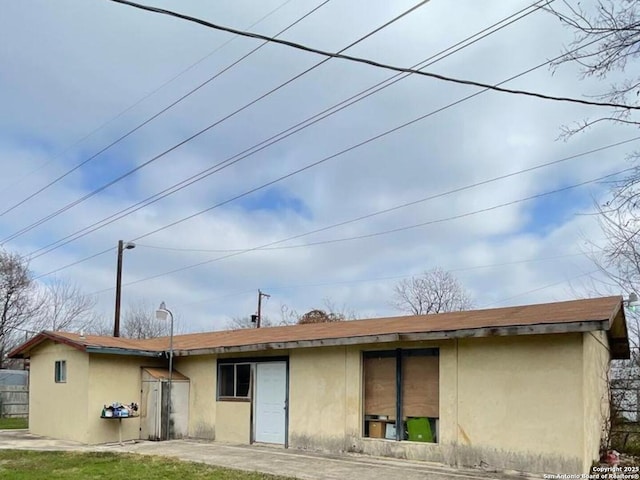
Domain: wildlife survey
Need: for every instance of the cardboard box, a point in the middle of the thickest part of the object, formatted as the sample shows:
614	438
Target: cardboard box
376	429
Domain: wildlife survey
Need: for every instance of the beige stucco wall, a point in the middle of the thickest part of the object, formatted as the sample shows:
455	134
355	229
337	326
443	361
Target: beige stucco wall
205	418
234	422
114	378
202	373
595	393
510	402
525	403
325	402
520	402
434	452
58	410
318	397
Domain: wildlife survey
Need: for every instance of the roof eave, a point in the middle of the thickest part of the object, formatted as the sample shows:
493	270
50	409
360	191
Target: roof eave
123	351
618	334
24	350
538	329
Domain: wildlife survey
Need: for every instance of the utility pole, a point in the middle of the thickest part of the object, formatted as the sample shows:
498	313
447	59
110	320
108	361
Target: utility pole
121	248
259	316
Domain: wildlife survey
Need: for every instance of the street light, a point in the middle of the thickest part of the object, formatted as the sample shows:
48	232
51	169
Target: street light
122	246
161	314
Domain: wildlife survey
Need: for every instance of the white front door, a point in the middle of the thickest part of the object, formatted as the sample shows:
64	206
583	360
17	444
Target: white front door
270	402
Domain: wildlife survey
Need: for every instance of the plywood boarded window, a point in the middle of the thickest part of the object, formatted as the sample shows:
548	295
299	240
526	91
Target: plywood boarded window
380	386
401	394
420	386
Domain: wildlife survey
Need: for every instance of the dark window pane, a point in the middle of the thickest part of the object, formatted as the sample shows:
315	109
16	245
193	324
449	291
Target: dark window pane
243	373
61	371
225	381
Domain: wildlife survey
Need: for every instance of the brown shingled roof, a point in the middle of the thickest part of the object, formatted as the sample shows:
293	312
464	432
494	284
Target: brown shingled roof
604	313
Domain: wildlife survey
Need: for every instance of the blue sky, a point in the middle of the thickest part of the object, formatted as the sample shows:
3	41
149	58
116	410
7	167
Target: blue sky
72	69
276	200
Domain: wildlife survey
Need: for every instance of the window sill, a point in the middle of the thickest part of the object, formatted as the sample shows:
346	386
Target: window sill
399	442
234	399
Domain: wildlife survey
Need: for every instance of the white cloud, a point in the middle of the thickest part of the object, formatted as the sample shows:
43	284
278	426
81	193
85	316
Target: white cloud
68	70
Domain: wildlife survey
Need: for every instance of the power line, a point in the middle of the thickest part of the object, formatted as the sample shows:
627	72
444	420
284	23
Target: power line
380	233
463	215
294	237
374	279
424	199
373	63
290	131
90	257
539	289
138	102
353	147
131	132
121	177
291	174
295	172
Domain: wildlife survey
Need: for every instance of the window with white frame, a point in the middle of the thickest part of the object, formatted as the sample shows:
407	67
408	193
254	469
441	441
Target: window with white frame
60	374
234	380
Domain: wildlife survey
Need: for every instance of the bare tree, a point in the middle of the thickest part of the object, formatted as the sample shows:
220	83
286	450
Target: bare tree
241	323
99	325
329	312
288	315
139	321
607	43
19	299
619	258
435	291
64	307
606	40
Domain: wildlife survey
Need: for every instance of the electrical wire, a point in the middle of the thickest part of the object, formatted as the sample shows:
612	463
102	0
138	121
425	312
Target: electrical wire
373	63
539	289
353	147
375	234
295	172
428	198
139	167
365	280
146	122
289	131
136	103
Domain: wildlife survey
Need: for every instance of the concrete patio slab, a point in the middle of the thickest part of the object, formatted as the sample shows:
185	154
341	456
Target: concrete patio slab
278	461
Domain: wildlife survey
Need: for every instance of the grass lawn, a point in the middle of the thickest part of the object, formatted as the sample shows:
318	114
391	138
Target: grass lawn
13	423
32	465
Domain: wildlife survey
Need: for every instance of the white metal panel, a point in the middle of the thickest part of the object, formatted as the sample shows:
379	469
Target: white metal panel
153	405
179	409
270	402
150	410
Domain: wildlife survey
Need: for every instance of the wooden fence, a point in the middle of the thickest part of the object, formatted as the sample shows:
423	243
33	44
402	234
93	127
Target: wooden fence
14	401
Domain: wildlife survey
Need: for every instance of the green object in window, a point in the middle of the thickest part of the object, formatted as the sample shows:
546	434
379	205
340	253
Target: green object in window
419	430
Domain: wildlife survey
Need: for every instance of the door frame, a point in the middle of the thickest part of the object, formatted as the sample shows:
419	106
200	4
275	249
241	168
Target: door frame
253	361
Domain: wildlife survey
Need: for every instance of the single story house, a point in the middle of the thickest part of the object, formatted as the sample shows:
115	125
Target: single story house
522	388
